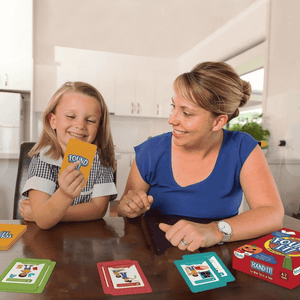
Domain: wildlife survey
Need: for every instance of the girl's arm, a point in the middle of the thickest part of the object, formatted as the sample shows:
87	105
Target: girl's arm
48	210
93	210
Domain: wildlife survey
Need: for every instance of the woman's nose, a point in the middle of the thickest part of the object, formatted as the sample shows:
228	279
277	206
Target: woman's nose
173	118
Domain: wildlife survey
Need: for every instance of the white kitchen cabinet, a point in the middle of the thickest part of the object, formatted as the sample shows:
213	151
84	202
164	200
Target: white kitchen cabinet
123	168
125	95
163	95
16	62
145	95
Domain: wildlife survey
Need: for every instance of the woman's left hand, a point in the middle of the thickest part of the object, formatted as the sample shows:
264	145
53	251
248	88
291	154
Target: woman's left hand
191	236
26	211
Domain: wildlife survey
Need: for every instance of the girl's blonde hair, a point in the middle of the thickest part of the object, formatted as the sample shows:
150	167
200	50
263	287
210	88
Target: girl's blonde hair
103	138
214	86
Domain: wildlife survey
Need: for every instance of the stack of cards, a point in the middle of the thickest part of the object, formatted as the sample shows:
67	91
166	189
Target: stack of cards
9	234
123	277
203	271
26	275
82	151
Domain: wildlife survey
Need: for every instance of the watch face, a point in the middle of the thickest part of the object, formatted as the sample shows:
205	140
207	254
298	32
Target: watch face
224	227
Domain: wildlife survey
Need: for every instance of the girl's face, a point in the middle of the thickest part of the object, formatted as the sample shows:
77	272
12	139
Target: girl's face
76	116
191	124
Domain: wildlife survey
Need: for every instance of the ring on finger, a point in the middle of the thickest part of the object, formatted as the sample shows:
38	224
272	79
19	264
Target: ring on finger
183	242
129	201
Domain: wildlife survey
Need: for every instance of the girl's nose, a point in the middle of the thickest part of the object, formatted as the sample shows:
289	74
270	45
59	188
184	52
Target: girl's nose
80	124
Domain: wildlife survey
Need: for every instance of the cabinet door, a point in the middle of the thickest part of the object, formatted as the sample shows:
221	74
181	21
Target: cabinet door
163	95
125	94
145	95
66	72
107	87
16	62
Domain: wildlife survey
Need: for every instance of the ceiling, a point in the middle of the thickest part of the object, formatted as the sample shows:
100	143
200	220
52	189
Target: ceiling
157	28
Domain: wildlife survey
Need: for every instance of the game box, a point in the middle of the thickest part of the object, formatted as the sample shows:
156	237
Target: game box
274	258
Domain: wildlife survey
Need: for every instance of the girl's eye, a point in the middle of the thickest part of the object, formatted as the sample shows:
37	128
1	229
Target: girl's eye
91	121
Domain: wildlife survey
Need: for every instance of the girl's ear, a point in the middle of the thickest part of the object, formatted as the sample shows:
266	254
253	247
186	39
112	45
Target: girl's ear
52	120
220	122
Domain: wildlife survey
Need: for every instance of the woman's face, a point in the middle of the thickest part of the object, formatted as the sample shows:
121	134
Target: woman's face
76	116
192	125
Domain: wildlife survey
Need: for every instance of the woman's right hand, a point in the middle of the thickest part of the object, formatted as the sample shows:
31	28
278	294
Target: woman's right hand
71	181
134	203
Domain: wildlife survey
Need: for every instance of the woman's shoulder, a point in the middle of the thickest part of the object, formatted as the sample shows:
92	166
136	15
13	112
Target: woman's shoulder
159	141
238	137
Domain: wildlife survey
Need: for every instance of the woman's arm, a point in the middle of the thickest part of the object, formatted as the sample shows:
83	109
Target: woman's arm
135	200
265	215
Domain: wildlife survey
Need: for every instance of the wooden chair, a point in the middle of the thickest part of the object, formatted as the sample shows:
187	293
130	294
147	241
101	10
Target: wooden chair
24	162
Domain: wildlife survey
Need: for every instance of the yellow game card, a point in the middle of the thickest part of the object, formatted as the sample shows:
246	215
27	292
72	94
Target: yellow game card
82	151
9	234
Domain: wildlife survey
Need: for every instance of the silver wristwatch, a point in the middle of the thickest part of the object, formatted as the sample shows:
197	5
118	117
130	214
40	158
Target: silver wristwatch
225	228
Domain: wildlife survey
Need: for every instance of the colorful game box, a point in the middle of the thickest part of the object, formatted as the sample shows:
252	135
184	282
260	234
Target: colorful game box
9	234
274	258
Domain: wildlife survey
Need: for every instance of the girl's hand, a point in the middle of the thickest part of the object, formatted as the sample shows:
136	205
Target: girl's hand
71	181
134	203
191	236
26	211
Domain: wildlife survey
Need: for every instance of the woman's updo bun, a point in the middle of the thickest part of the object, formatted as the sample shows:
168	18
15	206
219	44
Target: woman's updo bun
214	86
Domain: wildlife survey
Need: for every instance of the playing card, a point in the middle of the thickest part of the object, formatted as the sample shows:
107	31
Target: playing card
123	278
203	271
9	234
25	275
82	151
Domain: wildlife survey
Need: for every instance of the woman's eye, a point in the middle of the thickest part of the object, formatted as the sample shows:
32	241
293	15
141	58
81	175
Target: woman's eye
186	114
71	117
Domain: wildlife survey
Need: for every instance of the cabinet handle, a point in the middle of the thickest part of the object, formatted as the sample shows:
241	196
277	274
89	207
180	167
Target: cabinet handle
138	108
5	79
157	112
132	108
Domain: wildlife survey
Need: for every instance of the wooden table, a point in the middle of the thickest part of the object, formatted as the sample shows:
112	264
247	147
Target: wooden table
77	247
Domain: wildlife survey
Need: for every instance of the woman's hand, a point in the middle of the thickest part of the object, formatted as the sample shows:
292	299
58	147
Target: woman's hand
134	203
191	236
71	181
26	211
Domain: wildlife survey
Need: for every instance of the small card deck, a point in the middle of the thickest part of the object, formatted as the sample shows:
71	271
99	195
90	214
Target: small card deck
123	277
26	275
82	151
203	271
9	234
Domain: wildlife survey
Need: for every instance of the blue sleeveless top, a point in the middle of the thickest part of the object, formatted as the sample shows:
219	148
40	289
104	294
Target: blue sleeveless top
216	197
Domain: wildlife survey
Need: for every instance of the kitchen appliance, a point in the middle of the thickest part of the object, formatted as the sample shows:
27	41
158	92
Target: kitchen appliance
11	122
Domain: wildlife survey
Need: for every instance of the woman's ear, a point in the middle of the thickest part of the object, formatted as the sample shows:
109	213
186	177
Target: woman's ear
52	120
220	122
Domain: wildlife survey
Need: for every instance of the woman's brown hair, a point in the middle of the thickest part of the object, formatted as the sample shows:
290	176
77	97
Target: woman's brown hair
214	86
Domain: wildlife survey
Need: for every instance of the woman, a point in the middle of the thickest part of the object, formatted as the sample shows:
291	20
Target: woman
201	170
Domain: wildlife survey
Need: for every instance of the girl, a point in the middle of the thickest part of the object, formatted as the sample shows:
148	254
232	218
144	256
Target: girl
77	110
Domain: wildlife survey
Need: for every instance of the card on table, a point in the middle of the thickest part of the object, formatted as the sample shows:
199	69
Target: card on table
26	275
9	234
203	271
82	151
123	277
